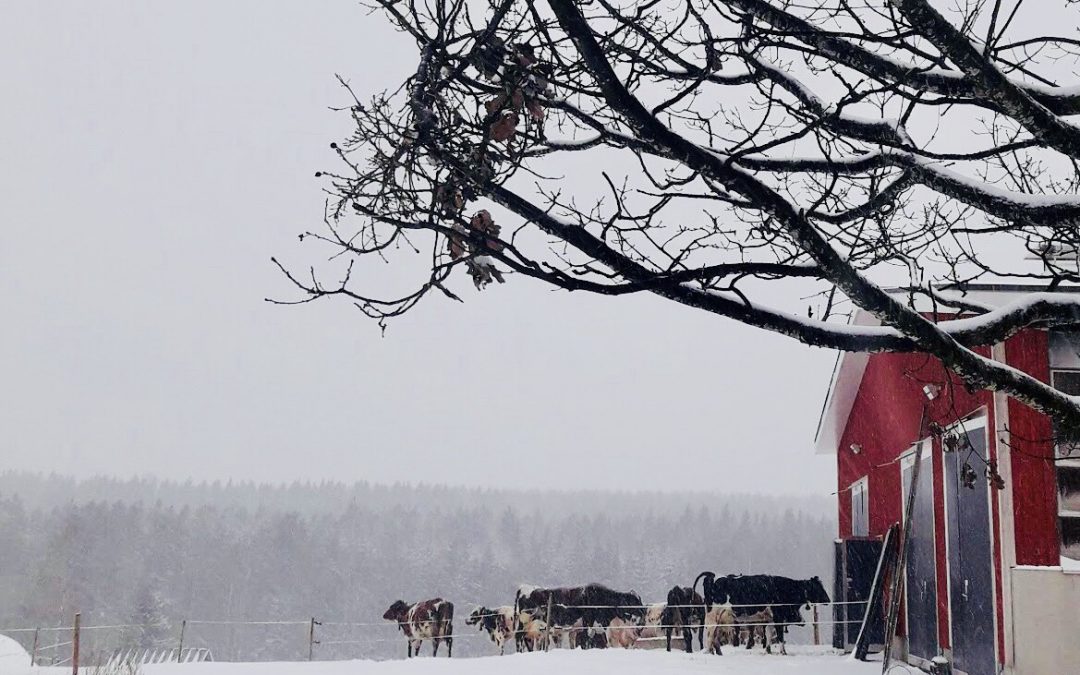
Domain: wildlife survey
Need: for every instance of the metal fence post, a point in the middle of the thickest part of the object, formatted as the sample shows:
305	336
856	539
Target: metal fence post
180	646
75	645
33	652
817	634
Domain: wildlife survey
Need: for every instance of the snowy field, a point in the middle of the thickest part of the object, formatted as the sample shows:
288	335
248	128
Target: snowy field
801	661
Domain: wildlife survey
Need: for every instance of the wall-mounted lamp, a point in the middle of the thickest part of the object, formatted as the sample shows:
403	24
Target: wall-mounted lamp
931	391
951	443
855	448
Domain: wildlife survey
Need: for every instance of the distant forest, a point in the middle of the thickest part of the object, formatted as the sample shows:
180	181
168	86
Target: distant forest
145	551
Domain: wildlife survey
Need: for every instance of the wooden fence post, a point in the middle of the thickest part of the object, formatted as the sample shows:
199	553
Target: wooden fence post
180	645
75	645
817	633
33	652
547	627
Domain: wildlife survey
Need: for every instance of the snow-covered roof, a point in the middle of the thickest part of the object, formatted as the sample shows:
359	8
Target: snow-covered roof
848	372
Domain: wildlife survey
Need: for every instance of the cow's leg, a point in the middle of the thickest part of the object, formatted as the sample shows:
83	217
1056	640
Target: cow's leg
688	639
782	629
701	636
449	646
667	634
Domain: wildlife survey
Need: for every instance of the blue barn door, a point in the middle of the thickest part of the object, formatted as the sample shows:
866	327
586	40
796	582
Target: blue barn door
971	578
921	566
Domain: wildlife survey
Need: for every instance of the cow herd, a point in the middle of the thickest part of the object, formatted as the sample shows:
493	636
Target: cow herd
729	610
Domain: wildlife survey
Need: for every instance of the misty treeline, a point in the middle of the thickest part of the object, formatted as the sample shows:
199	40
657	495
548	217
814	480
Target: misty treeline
144	551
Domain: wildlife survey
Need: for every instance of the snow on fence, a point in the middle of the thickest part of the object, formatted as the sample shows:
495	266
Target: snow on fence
374	632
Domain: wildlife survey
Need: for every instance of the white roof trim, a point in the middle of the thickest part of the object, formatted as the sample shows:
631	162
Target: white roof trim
846	377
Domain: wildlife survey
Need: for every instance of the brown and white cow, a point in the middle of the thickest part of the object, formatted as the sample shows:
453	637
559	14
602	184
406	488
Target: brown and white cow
622	633
719	628
533	630
654	621
497	621
425	620
760	624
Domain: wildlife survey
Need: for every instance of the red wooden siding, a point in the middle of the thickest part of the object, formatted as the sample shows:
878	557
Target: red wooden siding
884	421
1034	484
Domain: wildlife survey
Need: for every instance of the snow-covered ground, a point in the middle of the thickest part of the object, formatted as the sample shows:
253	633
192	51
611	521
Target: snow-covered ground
801	661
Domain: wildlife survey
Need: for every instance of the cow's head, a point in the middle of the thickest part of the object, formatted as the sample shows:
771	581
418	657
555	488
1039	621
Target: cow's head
717	590
476	616
815	592
399	611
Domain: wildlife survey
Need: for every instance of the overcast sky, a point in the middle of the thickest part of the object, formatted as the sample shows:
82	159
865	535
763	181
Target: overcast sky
155	155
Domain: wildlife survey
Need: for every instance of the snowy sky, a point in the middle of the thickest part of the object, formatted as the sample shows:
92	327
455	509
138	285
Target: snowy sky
155	155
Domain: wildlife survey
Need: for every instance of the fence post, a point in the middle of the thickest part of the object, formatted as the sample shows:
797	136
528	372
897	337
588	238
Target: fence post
33	652
311	639
547	627
180	646
75	645
817	634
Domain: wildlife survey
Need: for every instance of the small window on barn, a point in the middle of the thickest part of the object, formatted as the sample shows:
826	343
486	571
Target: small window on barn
1065	375
860	508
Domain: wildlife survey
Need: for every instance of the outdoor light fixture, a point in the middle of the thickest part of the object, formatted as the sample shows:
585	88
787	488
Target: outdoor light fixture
855	448
954	442
931	391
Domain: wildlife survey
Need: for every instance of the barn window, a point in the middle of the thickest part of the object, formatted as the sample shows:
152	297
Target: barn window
860	508
1065	375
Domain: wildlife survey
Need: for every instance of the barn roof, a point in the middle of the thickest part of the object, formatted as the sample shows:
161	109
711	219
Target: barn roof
849	368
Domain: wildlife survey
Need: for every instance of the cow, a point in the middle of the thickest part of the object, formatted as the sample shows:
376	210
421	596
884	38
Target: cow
685	611
425	620
753	593
597	637
622	633
758	625
719	628
654	621
594	605
498	622
533	629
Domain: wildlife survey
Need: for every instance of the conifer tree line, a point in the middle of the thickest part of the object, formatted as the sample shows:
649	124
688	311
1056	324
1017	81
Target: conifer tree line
153	553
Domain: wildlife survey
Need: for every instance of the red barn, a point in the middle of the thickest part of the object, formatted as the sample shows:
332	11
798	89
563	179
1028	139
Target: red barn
993	567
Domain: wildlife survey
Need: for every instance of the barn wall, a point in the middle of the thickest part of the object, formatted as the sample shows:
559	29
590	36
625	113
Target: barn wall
884	421
1034	484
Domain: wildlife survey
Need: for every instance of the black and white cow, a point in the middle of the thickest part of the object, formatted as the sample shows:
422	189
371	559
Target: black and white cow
751	594
498	622
425	620
593	605
685	611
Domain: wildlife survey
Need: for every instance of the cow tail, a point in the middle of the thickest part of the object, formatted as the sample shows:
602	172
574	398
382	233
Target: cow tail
704	589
